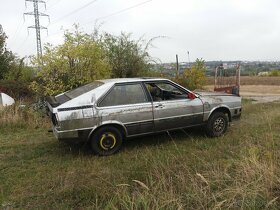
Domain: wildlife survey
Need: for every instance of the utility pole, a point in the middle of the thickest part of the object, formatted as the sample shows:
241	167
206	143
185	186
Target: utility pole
37	25
189	59
177	67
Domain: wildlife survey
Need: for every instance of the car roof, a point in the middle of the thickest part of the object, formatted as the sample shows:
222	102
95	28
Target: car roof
138	79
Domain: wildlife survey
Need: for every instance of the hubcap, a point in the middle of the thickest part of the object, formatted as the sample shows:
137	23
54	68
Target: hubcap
108	141
219	125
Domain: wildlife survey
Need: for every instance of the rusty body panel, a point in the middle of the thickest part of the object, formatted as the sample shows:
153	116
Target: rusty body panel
80	116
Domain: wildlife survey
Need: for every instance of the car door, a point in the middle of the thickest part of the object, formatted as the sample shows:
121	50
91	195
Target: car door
129	105
172	107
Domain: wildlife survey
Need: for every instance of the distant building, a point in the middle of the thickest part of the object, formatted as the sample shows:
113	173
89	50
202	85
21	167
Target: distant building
263	73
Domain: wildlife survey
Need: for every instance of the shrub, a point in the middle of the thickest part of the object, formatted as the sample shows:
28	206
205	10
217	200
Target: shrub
275	73
15	89
194	78
79	60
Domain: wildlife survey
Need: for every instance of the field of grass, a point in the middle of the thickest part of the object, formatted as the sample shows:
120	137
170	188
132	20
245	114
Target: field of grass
183	170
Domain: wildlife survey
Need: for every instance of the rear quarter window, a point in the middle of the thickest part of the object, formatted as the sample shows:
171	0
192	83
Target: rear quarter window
77	92
83	89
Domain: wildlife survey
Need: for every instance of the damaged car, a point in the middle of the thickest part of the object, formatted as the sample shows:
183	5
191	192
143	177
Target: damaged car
105	112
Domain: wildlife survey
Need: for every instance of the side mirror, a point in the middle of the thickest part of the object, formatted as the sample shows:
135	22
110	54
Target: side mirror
191	96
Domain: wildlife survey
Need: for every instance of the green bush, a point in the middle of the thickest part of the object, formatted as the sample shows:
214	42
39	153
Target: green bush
15	89
193	78
275	73
19	71
79	60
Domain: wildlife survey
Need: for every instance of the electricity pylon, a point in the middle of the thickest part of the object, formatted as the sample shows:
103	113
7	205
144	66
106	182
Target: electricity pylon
37	25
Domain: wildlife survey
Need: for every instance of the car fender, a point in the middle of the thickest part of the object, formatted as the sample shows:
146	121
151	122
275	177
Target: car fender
215	108
109	122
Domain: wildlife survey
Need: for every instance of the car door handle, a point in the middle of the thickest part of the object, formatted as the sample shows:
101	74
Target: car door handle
159	106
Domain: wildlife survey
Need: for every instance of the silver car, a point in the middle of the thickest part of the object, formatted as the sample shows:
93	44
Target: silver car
105	112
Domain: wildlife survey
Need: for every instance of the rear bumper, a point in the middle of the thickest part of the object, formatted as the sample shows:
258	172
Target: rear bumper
65	134
78	135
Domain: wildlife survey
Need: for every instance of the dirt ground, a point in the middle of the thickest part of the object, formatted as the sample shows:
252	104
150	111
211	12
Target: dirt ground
257	93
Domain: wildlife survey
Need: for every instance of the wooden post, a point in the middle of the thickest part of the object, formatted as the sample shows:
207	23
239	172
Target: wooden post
177	67
189	60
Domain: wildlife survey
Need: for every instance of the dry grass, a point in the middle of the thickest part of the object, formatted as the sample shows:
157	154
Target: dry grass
254	90
252	80
21	117
186	170
260	90
254	86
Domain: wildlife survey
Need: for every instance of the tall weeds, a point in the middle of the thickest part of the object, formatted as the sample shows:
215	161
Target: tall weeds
16	116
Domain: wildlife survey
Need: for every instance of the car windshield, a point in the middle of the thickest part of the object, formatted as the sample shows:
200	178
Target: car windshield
83	89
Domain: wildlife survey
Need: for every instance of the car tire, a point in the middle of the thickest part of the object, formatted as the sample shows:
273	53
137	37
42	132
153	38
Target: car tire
217	124
106	141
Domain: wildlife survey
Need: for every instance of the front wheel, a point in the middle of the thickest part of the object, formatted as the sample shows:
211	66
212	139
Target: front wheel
106	141
217	124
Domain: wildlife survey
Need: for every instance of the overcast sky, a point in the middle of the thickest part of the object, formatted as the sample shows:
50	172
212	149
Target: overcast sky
208	29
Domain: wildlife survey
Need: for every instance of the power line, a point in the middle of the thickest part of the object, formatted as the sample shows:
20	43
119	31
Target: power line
109	15
118	12
53	34
18	30
73	12
23	42
50	7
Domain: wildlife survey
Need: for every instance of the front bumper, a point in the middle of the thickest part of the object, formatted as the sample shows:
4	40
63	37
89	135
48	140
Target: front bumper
236	117
236	113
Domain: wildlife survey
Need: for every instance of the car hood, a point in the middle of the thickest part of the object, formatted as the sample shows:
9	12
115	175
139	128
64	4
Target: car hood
218	98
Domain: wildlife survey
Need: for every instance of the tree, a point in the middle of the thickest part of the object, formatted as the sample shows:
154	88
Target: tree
127	57
77	61
83	58
6	56
19	71
194	77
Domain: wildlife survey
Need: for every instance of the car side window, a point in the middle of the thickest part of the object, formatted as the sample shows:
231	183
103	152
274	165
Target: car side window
124	94
165	91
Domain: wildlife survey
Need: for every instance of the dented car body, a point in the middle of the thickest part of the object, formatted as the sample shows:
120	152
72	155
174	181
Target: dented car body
107	111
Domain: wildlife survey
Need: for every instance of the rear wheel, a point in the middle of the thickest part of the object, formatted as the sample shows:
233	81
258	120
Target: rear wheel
106	141
217	124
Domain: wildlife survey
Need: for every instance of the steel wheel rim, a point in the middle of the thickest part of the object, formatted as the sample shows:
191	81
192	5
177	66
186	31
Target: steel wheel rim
219	125
108	141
